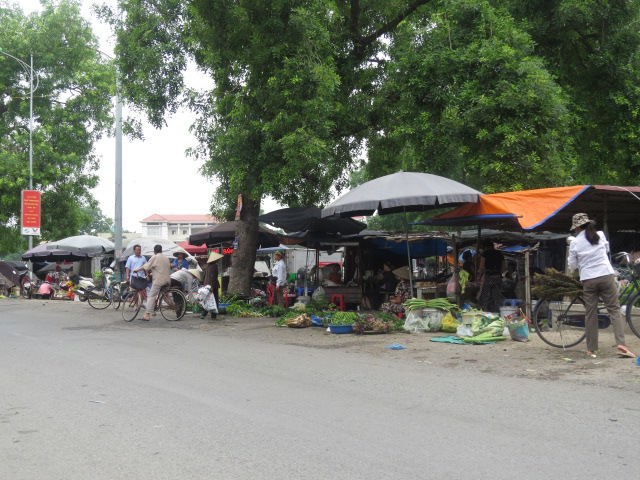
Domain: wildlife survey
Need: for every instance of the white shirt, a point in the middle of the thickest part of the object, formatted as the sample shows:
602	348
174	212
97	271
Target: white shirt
279	271
185	278
592	260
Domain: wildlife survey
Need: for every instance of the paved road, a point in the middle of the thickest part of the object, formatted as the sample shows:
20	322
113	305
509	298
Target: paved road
86	396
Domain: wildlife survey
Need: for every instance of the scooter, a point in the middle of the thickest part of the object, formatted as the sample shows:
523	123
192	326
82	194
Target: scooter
84	284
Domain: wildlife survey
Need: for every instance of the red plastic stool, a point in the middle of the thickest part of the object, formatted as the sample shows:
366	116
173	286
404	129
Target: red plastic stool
271	291
338	301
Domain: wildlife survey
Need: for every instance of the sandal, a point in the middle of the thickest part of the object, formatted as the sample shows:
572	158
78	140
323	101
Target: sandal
625	352
145	318
592	354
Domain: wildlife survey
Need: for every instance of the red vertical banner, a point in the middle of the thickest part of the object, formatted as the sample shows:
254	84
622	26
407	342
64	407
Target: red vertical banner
239	207
30	201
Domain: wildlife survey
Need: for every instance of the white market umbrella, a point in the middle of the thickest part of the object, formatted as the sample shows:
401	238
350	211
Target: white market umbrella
148	243
83	243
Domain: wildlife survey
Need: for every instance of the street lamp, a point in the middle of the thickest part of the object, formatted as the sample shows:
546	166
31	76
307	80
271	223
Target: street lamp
28	69
117	230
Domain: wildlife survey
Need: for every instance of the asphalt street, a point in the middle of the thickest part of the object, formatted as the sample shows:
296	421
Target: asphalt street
84	395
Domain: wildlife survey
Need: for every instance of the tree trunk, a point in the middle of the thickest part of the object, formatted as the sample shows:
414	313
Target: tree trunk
244	257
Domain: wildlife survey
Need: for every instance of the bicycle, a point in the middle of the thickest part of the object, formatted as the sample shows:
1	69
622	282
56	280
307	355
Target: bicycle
108	293
171	302
562	324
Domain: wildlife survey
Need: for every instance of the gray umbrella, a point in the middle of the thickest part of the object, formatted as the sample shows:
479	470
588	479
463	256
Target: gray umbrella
84	243
401	192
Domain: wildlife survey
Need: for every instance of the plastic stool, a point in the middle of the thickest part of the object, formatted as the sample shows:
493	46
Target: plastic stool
271	291
338	301
512	302
285	295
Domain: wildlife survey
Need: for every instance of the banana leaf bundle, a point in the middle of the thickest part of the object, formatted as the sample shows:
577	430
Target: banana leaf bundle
553	284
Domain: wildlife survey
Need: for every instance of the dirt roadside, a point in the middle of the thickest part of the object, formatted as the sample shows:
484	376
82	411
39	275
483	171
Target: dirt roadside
533	360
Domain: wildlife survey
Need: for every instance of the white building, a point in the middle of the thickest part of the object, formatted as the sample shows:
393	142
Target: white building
175	227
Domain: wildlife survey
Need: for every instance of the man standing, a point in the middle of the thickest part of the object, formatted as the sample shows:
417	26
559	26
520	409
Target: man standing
279	273
133	262
159	267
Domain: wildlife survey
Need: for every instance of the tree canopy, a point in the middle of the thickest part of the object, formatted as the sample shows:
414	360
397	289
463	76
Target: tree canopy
71	110
498	94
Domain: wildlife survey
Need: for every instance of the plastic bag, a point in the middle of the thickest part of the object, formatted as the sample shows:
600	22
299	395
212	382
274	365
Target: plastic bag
434	321
206	298
519	330
415	323
449	323
464	331
452	287
318	294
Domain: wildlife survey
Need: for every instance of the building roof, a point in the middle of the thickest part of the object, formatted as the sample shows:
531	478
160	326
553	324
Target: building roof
180	218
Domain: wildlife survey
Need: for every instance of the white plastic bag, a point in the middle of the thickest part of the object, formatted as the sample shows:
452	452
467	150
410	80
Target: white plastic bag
207	299
415	323
464	331
318	294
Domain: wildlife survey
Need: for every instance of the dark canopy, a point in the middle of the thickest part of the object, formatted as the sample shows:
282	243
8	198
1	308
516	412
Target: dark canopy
307	219
42	253
226	232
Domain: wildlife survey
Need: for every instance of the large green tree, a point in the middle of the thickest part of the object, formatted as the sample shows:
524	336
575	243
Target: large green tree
71	110
499	94
294	80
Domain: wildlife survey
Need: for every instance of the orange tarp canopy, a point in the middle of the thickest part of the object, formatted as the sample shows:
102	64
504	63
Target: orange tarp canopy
529	208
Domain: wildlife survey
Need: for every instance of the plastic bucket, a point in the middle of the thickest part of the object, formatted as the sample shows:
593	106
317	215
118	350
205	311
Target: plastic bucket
506	311
468	317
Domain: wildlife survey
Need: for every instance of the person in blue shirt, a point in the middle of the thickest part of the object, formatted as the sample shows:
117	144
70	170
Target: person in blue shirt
179	262
133	262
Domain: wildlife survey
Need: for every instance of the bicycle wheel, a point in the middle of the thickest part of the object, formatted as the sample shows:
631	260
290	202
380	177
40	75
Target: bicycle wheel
99	298
116	296
560	324
633	314
173	304
131	304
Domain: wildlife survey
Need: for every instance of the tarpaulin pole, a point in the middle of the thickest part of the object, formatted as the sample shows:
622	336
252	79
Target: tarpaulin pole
406	236
527	284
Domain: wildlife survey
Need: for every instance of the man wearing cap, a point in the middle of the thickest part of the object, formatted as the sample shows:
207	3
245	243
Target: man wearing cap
279	273
159	267
211	277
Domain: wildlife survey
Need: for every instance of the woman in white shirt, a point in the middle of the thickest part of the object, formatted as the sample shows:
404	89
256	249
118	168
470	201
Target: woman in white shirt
589	252
279	273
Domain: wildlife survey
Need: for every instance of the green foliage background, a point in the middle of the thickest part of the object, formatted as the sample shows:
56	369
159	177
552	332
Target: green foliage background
71	108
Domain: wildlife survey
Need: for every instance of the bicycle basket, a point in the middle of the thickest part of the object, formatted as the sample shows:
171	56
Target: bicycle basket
139	283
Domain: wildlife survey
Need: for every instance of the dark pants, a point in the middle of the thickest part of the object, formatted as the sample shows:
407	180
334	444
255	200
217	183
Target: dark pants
177	298
490	296
279	296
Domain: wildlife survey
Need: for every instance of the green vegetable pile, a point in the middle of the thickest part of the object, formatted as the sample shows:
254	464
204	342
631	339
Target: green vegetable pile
343	318
439	303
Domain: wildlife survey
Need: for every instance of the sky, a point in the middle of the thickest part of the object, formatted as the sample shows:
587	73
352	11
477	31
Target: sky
158	177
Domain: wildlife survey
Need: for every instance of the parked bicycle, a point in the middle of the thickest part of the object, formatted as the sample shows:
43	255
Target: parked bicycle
106	293
171	302
562	324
